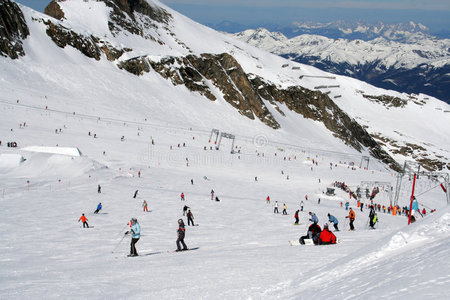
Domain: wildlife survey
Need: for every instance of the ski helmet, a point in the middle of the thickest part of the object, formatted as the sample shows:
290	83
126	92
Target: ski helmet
134	220
325	225
180	221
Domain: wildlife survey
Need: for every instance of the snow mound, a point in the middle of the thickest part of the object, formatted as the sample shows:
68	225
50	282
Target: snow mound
10	160
49	165
71	151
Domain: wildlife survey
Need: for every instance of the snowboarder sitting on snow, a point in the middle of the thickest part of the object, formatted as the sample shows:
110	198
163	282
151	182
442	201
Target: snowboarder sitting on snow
332	219
190	218
313	233
135	236
314	218
84	220
326	237
99	207
296	217
181	233
217	199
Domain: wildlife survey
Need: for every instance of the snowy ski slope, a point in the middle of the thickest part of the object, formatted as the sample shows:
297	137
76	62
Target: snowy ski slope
243	252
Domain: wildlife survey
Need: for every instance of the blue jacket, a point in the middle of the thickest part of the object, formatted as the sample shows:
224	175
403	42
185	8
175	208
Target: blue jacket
99	206
136	231
333	219
314	218
415	205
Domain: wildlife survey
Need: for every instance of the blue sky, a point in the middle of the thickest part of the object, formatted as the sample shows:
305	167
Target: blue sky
432	13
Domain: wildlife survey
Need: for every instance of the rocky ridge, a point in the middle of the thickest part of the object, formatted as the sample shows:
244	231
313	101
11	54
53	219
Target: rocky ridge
13	30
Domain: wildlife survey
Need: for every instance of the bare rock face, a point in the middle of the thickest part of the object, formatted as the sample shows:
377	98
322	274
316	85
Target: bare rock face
54	10
13	29
63	37
225	74
134	16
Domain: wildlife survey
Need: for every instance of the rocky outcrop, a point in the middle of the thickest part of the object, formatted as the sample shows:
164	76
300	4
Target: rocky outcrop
319	107
387	101
13	29
90	46
223	72
136	15
54	10
136	65
63	37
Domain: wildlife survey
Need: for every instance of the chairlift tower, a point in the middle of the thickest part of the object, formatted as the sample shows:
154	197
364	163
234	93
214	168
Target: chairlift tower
228	136
364	160
410	168
216	132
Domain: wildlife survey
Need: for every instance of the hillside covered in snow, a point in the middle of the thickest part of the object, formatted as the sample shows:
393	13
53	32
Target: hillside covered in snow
114	102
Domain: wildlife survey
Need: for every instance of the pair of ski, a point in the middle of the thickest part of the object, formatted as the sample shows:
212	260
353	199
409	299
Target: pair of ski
162	252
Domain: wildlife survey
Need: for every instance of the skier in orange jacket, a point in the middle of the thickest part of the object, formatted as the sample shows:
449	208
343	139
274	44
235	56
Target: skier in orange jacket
84	220
351	216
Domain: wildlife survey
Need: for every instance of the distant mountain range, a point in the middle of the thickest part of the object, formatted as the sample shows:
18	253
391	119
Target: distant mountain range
404	58
340	29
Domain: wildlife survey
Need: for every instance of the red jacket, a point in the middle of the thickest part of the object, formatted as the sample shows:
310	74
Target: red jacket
327	237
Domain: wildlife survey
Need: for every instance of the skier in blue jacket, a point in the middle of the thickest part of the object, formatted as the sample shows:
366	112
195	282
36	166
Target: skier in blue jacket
314	218
135	236
99	207
332	219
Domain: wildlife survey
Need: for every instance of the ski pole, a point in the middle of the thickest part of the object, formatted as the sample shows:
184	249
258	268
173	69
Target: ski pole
121	230
115	248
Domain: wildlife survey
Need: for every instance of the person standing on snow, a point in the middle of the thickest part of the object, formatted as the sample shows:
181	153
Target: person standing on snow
332	219
284	209
99	189
99	207
84	220
296	217
190	218
135	236
351	217
135	194
212	194
145	206
182	197
314	218
301	205
346	205
268	200
185	208
275	208
326	237
181	233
